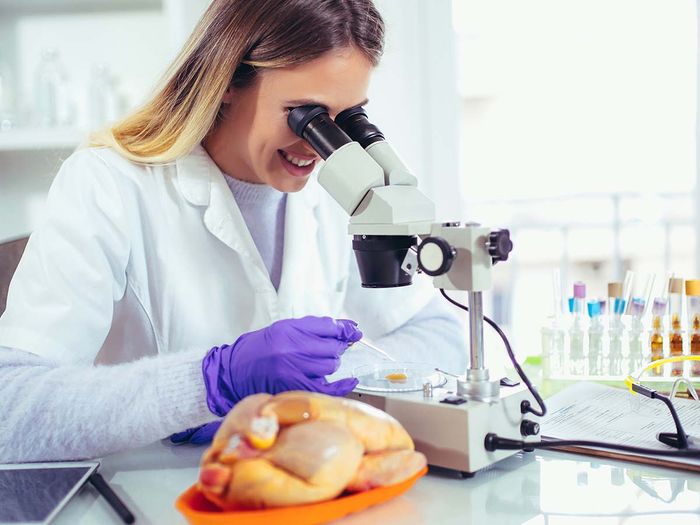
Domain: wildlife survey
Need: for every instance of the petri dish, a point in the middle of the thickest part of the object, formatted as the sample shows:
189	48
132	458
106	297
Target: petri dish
397	377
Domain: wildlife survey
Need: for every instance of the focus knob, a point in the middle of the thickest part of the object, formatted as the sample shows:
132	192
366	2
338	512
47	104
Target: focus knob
500	245
529	428
435	256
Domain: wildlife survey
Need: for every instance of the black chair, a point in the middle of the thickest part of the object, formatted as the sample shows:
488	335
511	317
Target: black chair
10	254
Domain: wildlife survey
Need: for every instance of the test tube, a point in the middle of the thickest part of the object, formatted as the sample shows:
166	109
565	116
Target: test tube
576	334
566	357
614	296
555	358
675	336
579	300
635	334
692	293
627	290
615	308
595	339
656	340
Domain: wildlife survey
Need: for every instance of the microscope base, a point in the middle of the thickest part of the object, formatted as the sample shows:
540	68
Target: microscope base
452	436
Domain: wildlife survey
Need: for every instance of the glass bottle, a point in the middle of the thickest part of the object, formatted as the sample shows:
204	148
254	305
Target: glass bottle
656	340
675	336
7	98
104	100
692	293
51	91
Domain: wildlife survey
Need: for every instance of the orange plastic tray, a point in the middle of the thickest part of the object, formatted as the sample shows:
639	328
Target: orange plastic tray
200	511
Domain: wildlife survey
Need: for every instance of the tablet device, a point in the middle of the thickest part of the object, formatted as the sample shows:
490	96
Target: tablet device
33	493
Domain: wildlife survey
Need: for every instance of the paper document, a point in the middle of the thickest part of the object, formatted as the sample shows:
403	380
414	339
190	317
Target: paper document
590	411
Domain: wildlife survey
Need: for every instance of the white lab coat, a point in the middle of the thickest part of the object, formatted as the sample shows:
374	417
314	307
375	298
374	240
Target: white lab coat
135	260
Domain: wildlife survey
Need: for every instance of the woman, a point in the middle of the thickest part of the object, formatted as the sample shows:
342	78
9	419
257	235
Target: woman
195	220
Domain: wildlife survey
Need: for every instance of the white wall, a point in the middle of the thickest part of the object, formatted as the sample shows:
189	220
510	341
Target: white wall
183	16
414	98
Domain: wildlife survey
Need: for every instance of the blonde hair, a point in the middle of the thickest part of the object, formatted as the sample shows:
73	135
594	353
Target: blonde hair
232	40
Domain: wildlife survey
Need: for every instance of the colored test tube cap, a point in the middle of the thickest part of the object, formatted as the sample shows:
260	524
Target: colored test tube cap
692	287
579	290
675	285
593	308
614	289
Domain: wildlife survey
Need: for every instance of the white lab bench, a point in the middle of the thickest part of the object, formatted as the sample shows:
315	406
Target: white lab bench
541	488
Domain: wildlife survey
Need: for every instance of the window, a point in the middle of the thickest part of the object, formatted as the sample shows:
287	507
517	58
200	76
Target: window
578	134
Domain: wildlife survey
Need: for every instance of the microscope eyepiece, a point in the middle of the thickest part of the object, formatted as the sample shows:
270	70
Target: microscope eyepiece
313	124
355	123
300	116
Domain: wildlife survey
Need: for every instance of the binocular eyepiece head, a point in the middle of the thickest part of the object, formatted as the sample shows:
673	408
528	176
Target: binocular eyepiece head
379	257
314	124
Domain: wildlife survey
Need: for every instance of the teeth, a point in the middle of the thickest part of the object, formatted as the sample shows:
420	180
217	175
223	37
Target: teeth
296	161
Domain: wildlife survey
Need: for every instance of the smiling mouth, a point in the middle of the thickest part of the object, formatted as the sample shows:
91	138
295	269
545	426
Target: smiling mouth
298	160
295	165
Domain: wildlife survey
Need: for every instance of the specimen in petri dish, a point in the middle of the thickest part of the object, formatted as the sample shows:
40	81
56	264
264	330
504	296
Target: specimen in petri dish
397	376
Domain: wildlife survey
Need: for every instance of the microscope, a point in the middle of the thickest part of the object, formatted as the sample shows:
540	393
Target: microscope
394	236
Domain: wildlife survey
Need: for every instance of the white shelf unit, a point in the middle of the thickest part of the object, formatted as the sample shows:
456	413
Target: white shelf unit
135	39
33	139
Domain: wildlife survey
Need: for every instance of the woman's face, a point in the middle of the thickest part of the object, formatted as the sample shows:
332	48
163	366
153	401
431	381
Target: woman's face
253	141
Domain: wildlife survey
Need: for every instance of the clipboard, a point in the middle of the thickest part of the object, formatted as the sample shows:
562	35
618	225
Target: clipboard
595	412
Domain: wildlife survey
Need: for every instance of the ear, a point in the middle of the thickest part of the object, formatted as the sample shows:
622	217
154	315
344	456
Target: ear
228	96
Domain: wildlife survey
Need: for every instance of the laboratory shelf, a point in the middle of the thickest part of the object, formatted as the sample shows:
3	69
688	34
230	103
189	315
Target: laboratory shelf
67	6
30	139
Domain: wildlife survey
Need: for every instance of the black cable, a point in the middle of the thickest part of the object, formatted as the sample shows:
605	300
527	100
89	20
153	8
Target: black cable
674	415
494	442
677	439
525	405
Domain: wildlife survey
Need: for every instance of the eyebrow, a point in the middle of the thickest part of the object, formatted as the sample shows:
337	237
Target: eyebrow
311	102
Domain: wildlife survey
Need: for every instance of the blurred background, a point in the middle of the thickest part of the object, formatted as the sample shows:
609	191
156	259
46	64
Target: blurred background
571	122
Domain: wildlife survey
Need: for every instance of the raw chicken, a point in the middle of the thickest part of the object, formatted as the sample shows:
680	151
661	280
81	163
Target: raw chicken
302	447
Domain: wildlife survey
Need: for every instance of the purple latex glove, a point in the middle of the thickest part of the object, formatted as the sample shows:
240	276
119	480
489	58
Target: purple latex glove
197	435
293	354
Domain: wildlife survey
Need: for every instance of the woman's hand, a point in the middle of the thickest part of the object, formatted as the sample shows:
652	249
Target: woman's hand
293	354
